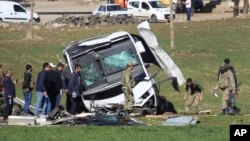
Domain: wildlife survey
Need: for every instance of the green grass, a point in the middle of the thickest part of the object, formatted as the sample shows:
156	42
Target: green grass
199	49
145	133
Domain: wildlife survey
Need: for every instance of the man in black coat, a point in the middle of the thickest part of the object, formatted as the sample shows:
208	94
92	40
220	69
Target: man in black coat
9	93
27	88
54	85
75	88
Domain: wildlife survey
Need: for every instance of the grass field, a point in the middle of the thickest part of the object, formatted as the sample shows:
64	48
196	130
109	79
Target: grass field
200	48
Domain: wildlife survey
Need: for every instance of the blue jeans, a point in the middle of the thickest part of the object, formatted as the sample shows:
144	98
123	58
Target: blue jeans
46	106
39	100
27	100
189	13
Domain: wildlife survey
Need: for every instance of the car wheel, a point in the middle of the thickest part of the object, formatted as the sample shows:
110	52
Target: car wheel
154	19
36	20
1	20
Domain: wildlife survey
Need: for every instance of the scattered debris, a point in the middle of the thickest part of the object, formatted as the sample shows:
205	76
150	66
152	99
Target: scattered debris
20	103
41	121
21	120
205	112
180	121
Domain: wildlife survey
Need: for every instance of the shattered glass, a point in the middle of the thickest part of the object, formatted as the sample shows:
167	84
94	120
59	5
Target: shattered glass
119	61
90	74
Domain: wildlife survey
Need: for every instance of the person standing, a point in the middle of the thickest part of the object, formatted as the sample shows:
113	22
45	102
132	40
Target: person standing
9	93
27	88
41	90
188	5
128	83
1	78
59	69
196	95
75	88
54	85
234	109
226	83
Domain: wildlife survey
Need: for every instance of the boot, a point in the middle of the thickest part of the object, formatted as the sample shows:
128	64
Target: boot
231	111
127	116
234	111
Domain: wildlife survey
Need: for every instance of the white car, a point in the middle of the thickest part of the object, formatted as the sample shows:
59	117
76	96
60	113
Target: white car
14	12
110	9
153	10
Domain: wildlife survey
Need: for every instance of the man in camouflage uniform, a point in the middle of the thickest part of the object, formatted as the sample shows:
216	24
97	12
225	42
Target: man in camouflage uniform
128	83
226	83
196	95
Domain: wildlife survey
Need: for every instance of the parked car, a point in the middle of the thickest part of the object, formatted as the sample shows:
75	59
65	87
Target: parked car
153	10
14	12
110	9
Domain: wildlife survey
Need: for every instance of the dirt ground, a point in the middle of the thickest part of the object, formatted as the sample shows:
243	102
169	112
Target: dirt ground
89	5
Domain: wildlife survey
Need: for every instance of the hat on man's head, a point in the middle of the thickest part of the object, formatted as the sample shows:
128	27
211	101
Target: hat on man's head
52	65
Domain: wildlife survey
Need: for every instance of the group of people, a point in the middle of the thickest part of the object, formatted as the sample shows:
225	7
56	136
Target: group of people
49	88
227	83
51	84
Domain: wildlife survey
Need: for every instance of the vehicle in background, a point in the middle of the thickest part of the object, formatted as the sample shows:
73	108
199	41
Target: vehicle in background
14	12
196	4
153	10
167	2
110	9
123	3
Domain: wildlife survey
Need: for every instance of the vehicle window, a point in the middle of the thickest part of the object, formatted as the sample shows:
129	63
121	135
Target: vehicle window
90	74
145	6
118	61
100	8
104	9
18	8
115	8
157	4
134	4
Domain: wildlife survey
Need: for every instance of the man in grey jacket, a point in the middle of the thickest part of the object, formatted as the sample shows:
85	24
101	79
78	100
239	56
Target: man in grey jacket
75	88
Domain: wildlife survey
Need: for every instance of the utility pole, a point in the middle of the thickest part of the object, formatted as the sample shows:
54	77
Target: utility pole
171	26
30	32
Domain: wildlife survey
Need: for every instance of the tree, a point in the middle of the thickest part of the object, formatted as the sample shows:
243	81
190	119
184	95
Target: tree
30	34
171	26
245	6
236	8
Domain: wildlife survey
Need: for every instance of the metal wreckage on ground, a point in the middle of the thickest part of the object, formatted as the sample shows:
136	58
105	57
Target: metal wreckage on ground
103	60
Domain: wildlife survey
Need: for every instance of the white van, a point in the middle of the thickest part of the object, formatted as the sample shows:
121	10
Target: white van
14	12
153	10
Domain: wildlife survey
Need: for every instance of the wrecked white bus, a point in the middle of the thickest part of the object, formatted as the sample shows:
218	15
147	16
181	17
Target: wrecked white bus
105	57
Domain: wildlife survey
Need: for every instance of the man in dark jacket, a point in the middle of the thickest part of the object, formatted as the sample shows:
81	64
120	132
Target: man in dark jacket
27	88
9	93
54	85
41	90
1	79
75	88
59	69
